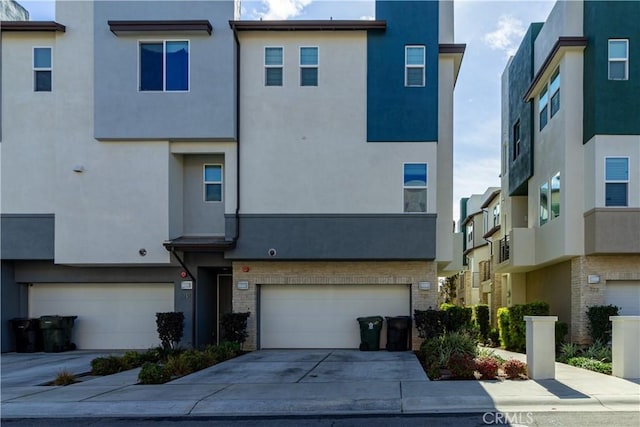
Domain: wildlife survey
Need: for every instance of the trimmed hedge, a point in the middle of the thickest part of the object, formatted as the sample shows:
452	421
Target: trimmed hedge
481	317
512	325
457	317
450	318
599	323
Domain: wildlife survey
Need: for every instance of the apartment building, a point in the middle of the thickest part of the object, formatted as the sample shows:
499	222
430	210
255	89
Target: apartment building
196	162
571	163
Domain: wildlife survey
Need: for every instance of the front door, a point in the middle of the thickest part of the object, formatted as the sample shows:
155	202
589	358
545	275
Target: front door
223	301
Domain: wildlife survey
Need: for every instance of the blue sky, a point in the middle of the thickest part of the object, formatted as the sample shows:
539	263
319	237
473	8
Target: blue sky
492	31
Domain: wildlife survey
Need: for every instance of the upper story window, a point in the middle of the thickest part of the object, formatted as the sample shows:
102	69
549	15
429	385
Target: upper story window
516	140
42	67
164	66
619	59
308	66
496	215
415	187
616	181
547	108
212	183
470	232
414	64
544	203
543	107
550	199
555	196
273	64
554	89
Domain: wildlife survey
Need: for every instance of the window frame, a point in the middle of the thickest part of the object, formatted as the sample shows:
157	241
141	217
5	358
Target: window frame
39	69
496	215
205	182
422	66
315	66
272	66
617	181
415	187
543	189
469	228
625	59
554	94
543	108
164	65
517	140
552	212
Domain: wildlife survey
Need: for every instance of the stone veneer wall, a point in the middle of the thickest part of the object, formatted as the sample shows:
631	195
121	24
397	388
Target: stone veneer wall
584	295
496	299
332	273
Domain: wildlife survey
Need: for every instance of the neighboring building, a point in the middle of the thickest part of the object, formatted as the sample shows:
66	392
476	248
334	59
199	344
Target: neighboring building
11	10
571	163
315	189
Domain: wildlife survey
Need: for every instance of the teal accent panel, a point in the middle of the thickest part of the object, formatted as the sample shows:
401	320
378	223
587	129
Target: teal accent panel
396	112
611	107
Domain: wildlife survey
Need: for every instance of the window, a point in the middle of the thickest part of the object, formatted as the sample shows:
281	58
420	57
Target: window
543	107
415	187
516	140
42	69
618	59
544	203
555	196
554	89
273	61
414	66
308	66
616	181
470	232
496	215
212	183
164	66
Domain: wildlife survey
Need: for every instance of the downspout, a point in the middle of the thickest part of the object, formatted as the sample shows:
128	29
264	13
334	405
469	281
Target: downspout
237	214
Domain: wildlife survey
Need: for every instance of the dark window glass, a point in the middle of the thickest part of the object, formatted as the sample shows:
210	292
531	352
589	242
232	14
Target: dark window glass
151	66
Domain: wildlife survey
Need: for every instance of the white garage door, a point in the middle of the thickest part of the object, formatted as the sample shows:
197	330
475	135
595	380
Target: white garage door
624	294
110	316
324	316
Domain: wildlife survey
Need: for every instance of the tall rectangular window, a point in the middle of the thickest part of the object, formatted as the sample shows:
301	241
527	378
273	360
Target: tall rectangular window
516	140
414	64
619	59
308	66
273	63
544	203
212	183
555	196
164	66
543	106
42	67
496	215
554	89
415	187
616	181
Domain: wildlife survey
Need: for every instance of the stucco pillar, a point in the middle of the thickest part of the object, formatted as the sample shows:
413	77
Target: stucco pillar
541	346
625	346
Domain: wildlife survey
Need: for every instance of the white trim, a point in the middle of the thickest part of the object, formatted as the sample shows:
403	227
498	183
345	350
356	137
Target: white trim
35	69
264	62
164	65
625	60
205	182
423	65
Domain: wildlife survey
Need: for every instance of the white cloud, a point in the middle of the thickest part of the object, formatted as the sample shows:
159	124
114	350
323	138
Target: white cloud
282	9
507	36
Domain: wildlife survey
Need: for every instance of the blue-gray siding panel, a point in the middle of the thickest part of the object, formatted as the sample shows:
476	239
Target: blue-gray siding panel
206	111
336	237
27	236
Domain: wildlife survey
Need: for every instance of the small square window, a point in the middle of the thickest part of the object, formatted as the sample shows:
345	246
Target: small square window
618	59
273	62
42	67
164	66
212	183
415	187
414	66
308	66
616	181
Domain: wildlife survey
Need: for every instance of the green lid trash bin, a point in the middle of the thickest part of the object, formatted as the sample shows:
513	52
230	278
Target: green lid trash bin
370	332
56	333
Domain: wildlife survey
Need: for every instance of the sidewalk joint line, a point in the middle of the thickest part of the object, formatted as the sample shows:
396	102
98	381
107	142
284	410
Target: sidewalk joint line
314	367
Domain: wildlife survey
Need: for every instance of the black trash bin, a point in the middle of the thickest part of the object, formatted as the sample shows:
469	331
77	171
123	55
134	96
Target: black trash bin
27	334
398	333
370	332
56	333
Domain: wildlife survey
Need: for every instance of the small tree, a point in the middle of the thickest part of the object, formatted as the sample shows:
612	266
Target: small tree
448	290
170	327
234	327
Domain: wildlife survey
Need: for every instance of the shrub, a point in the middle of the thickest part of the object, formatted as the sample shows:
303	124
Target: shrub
487	367
512	325
562	329
439	350
170	326
433	371
568	351
234	327
429	323
131	359
503	326
107	365
599	323
514	368
485	353
64	377
456	317
494	337
227	350
591	364
481	312
153	373
598	351
462	365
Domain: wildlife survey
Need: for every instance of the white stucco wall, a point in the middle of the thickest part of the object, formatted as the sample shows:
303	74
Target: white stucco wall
444	246
304	149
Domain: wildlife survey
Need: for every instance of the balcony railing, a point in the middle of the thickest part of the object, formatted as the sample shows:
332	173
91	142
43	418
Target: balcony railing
503	249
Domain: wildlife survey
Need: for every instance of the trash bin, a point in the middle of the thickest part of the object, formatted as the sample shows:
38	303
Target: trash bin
370	332
27	334
398	333
56	333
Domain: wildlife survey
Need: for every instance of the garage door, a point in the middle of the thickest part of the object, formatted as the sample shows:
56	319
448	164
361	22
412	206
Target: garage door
624	294
110	316
324	316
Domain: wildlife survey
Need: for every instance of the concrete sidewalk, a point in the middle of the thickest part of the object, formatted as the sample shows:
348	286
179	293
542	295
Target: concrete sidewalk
301	382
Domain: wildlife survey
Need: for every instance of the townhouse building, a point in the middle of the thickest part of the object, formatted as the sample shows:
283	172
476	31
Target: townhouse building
196	162
571	163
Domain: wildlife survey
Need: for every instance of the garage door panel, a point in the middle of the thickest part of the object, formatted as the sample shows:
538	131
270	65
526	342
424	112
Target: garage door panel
324	316
110	316
624	294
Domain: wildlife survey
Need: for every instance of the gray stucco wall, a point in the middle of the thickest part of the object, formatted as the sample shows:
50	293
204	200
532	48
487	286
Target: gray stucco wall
206	111
27	236
200	217
337	237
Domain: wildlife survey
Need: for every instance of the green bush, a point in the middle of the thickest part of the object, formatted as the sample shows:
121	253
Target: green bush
64	378
503	327
107	365
429	323
456	317
481	317
562	329
598	351
599	323
153	373
439	350
512	325
591	364
494	337
462	365
227	350
170	327
568	351
234	327
131	359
